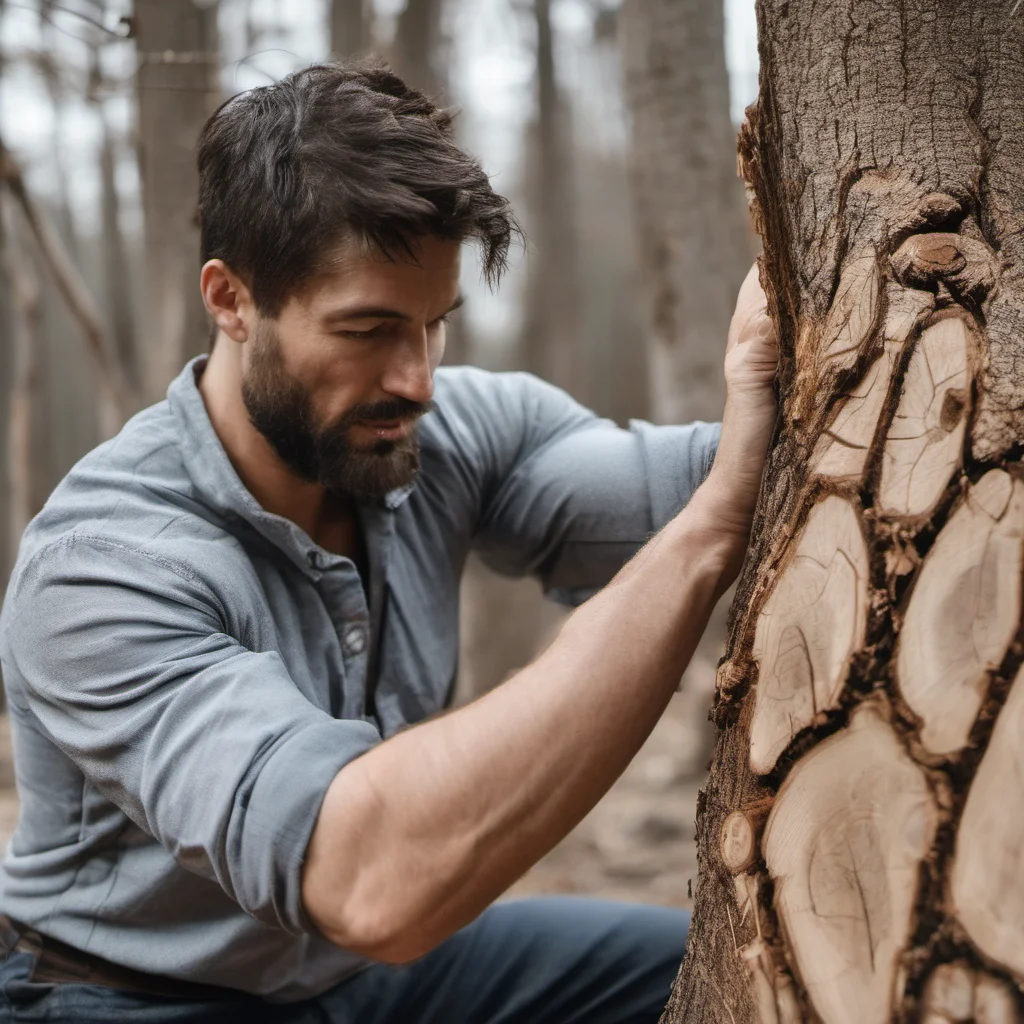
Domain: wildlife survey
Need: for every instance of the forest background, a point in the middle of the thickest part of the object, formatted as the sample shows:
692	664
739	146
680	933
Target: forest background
610	127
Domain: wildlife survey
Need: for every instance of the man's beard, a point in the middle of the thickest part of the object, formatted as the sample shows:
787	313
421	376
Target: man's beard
281	410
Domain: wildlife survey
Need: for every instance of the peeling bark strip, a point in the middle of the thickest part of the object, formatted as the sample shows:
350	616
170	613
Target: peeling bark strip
873	692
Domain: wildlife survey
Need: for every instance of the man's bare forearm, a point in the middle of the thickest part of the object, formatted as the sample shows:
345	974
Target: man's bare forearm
419	835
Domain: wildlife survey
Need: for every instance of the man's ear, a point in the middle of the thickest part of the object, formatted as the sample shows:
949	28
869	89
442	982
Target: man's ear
228	300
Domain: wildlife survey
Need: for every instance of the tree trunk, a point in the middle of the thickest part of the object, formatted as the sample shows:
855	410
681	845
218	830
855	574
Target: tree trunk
178	90
24	382
117	276
695	240
552	342
349	28
419	48
856	866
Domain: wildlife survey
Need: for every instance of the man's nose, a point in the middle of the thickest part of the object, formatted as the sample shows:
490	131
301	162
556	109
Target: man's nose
410	372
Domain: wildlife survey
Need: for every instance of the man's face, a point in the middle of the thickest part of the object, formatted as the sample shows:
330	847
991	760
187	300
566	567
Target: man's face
337	381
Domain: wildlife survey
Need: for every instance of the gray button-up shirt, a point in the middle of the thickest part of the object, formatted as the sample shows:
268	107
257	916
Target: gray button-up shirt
187	673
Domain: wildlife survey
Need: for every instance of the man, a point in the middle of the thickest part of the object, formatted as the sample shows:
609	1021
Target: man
225	618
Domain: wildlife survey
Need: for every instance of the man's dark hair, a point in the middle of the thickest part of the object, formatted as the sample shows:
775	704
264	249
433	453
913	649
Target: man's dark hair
289	170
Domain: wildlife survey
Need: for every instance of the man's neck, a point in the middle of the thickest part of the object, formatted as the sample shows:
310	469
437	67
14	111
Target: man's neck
328	520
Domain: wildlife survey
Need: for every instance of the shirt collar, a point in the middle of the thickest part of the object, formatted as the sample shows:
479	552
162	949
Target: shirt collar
219	486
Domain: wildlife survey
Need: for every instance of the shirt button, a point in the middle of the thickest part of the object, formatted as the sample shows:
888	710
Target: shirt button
355	640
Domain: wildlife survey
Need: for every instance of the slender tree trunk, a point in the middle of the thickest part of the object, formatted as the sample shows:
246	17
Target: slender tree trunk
552	342
860	840
117	279
695	240
6	369
349	28
420	48
24	382
178	90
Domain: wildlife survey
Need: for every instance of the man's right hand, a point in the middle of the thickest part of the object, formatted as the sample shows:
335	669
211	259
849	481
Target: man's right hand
751	360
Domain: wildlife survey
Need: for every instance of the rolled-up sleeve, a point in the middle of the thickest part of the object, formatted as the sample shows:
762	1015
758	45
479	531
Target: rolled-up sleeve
206	745
572	496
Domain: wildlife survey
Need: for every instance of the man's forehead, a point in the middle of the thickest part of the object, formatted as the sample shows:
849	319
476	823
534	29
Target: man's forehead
358	256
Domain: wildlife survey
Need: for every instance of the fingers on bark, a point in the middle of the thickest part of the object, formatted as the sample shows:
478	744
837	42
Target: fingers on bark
956	994
809	628
844	844
925	439
989	858
963	612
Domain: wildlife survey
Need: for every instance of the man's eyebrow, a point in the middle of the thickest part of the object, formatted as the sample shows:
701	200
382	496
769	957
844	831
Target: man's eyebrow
378	312
364	313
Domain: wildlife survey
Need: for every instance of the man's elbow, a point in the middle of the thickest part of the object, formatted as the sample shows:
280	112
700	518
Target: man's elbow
377	932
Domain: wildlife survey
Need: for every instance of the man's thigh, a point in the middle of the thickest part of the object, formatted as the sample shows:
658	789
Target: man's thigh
23	1001
558	960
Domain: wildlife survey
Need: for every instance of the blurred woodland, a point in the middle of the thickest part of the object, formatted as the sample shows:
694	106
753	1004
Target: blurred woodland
611	127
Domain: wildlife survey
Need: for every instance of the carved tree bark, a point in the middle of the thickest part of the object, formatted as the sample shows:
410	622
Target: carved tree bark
178	89
695	240
861	845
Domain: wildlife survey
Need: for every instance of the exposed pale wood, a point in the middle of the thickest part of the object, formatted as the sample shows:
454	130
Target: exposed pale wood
843	448
844	844
925	440
852	317
963	611
955	994
995	1002
809	627
988	866
949	993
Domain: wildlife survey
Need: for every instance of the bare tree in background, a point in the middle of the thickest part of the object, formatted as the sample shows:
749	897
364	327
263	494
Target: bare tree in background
420	46
861	840
695	242
177	90
349	27
24	396
117	278
552	338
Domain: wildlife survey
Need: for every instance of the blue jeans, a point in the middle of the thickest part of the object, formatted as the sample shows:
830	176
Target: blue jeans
557	960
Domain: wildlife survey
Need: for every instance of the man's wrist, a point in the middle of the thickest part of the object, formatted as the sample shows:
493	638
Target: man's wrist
717	527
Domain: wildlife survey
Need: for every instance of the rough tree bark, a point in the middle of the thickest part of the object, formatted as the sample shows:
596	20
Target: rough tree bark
177	89
695	239
860	838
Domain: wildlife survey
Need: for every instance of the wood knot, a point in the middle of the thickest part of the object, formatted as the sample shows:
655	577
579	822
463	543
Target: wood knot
966	266
924	259
741	835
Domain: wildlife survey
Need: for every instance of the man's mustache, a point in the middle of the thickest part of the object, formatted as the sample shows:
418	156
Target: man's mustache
386	410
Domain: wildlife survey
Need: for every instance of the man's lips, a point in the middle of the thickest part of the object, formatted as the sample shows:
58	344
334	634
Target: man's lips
387	430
